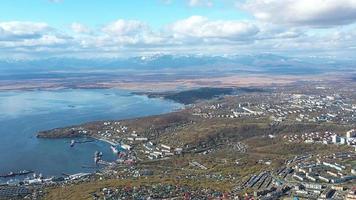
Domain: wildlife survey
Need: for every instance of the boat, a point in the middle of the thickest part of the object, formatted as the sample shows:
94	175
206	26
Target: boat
114	149
72	142
10	174
97	156
24	172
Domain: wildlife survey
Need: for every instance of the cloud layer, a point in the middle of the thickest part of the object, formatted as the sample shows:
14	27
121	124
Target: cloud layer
318	13
15	30
198	27
281	26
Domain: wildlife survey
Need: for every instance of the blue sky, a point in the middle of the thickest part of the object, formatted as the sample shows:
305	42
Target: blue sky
122	28
96	12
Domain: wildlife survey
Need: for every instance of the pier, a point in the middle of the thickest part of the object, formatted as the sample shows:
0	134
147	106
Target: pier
13	174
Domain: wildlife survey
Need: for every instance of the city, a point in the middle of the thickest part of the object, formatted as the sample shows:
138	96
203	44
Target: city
178	100
257	149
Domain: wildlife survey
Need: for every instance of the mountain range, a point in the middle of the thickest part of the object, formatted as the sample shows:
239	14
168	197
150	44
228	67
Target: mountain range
259	63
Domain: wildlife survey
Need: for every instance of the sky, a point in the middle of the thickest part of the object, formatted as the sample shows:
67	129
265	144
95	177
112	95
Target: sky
118	28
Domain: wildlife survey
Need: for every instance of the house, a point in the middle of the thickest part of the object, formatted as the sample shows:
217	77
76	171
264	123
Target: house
126	147
351	133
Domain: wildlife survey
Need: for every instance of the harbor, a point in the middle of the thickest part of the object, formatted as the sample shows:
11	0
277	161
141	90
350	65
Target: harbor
45	110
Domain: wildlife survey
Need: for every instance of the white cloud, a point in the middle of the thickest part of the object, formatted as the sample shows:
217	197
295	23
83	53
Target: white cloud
190	35
194	3
28	37
80	28
125	27
15	30
45	40
319	13
202	28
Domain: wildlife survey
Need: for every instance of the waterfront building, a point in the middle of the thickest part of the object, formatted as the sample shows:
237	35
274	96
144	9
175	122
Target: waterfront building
351	133
335	139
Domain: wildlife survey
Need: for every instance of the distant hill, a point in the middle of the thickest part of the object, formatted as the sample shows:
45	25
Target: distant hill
260	63
205	93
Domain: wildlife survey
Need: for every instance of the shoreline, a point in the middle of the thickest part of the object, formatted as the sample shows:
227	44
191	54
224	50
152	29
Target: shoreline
104	140
105	146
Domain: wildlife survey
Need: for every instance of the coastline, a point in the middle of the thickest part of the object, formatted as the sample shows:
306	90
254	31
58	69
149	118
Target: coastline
104	140
59	125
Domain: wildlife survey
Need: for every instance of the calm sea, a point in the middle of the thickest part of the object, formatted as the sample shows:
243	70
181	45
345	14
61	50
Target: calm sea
24	113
